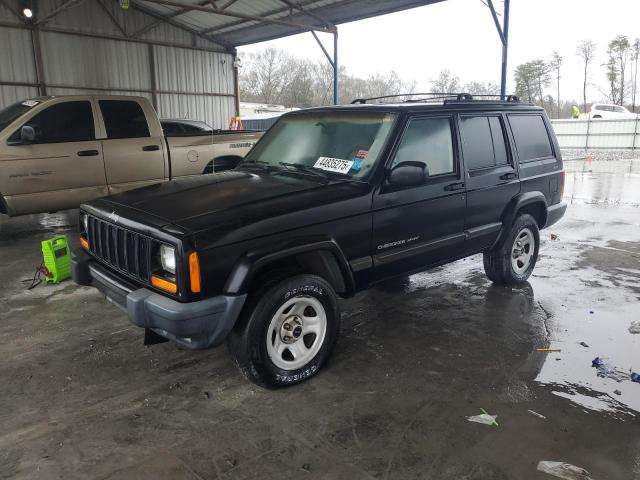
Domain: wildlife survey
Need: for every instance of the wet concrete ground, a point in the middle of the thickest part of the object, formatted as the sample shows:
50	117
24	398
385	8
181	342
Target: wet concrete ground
83	398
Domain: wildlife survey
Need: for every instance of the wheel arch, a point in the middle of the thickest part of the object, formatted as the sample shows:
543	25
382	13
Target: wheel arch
533	203
322	257
228	162
4	208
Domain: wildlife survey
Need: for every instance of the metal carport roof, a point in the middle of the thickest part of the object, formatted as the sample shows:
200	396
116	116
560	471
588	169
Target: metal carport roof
241	22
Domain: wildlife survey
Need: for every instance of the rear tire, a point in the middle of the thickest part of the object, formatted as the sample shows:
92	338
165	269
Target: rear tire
287	331
514	258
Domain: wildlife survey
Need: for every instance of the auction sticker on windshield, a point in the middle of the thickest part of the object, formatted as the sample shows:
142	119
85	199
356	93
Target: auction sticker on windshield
336	165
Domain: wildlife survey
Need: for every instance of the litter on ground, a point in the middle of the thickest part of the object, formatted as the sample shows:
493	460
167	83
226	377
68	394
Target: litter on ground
635	327
484	419
563	470
536	414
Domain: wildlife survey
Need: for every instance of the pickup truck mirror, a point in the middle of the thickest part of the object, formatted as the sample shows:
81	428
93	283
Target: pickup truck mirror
27	135
408	174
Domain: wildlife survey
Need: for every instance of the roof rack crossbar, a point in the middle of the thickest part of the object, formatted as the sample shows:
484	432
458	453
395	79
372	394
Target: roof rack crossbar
432	96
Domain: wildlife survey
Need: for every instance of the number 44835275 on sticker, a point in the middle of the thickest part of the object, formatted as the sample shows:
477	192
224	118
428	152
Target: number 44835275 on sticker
330	164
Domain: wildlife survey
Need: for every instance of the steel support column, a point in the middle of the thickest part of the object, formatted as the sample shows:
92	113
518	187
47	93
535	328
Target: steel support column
37	60
503	33
332	61
335	67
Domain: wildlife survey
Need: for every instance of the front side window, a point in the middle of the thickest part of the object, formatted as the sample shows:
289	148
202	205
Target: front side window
430	141
61	123
531	137
336	143
124	119
13	112
483	142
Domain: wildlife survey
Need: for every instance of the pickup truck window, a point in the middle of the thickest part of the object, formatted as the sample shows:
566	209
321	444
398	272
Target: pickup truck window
124	119
430	141
483	142
77	125
321	140
531	137
12	112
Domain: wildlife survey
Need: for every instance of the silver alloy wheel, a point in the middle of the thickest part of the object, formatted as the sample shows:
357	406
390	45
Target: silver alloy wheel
522	251
296	332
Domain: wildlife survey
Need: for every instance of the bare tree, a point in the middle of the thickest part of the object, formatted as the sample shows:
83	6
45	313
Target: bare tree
586	51
556	64
446	82
635	55
618	52
531	80
480	88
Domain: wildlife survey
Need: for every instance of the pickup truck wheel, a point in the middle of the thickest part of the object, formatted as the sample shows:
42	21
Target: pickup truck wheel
513	260
287	331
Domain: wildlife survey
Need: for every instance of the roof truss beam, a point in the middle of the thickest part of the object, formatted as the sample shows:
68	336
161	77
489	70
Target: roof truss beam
241	16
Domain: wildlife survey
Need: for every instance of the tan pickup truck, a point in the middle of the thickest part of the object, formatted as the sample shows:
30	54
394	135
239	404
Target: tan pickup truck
56	152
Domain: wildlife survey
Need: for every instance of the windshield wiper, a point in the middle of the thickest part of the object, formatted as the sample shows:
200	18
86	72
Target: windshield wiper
261	163
304	168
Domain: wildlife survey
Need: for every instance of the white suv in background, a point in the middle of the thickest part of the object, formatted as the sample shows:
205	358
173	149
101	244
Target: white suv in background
601	110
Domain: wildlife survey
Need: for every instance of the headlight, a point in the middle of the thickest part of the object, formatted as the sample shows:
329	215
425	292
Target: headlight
84	219
168	259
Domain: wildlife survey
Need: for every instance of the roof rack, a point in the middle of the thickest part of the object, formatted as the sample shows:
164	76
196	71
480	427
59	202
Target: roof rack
438	96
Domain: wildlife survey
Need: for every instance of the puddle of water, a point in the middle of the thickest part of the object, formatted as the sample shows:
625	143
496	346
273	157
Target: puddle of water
609	182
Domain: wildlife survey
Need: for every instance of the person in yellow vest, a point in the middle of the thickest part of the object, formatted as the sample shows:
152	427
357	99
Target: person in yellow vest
575	112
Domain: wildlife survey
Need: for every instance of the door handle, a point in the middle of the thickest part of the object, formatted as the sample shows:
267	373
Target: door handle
508	176
151	148
88	153
454	186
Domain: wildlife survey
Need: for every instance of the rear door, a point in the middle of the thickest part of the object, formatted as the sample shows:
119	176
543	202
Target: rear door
62	167
418	226
492	179
134	145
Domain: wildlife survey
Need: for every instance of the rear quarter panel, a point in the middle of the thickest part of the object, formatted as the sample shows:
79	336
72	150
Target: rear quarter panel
191	154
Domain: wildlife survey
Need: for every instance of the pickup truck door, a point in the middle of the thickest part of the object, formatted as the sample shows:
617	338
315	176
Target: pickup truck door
418	226
61	168
492	180
134	147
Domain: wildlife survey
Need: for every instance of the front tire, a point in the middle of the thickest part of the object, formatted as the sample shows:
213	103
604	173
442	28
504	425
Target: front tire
286	332
514	258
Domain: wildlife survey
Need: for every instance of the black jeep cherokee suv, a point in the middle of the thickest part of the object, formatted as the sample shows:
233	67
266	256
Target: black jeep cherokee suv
329	202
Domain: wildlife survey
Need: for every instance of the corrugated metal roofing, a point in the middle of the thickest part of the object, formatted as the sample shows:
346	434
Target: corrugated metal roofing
221	26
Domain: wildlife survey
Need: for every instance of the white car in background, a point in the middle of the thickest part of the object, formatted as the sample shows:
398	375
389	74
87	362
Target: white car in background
603	110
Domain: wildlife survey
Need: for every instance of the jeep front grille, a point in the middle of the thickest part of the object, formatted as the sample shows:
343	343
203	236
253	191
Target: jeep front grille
119	248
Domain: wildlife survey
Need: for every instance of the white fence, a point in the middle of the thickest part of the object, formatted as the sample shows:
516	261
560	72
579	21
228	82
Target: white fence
598	134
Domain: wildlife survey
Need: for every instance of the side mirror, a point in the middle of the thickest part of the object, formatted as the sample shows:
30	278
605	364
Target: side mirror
27	134
408	174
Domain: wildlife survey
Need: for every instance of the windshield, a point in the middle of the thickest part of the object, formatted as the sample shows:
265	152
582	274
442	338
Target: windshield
12	112
342	143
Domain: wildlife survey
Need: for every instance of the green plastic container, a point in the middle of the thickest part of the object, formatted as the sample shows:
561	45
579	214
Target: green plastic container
57	258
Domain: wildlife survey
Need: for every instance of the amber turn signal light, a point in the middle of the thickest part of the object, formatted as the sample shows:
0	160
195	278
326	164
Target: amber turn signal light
84	243
163	284
194	272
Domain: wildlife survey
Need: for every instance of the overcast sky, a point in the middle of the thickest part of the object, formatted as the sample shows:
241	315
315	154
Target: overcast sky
459	35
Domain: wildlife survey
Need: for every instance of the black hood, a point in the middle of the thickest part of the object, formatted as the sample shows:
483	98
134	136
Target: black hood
235	205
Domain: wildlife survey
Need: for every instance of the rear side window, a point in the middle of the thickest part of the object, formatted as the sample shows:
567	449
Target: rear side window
531	137
63	123
483	142
430	141
124	119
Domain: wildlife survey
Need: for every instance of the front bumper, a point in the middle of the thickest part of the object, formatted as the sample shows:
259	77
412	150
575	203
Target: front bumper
194	325
555	213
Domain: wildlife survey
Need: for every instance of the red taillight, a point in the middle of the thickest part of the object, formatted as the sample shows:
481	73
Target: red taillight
561	184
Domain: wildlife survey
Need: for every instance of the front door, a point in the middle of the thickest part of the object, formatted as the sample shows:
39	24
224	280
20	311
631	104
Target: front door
418	226
62	167
492	180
